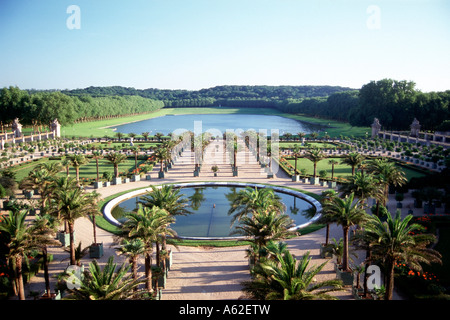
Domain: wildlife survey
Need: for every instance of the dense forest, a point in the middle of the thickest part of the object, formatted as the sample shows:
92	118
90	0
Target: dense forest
395	103
40	108
212	95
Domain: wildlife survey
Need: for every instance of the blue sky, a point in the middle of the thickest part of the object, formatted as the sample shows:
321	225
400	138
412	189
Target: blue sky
194	44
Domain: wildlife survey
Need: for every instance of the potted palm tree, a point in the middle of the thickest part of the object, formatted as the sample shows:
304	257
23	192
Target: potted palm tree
326	218
315	155
161	156
116	159
77	161
96	155
332	183
96	248
296	153
336	249
353	160
399	197
215	169
347	213
64	237
357	291
158	278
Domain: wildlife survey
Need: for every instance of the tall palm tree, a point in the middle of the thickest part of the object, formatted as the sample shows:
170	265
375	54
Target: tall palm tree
313	135
51	167
296	153
166	197
353	160
346	213
69	205
170	199
388	174
40	180
285	278
135	151
363	241
400	240
77	161
301	135
158	136
109	283
65	162
96	155
92	210
132	135
147	224
115	159
315	155
325	217
333	163
264	226
250	200
132	248
119	135
43	229
19	243
161	155
233	148
363	185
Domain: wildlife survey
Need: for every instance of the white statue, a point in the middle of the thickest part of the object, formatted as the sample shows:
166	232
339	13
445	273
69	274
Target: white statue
415	128
376	126
56	128
17	128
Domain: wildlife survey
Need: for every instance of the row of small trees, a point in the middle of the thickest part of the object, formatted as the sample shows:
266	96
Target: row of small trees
387	240
61	202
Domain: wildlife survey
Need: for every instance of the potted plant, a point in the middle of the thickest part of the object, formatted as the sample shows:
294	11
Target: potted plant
335	249
325	251
399	198
215	169
158	277
418	198
64	238
357	290
95	249
98	184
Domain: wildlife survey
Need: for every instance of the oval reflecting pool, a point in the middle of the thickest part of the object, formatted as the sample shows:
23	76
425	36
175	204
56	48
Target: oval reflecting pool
209	206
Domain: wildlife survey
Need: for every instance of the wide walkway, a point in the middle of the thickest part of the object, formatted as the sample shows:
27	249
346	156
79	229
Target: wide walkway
201	273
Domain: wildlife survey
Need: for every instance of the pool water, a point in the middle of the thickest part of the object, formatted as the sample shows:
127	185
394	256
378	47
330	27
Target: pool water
219	122
210	207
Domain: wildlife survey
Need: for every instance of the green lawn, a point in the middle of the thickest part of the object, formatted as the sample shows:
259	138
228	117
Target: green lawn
125	144
335	128
87	171
340	170
99	128
320	145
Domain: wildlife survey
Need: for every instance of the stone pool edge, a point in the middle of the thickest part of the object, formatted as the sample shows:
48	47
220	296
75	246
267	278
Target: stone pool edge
112	203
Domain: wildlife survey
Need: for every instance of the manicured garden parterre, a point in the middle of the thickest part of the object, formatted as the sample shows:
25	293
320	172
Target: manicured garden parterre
378	166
